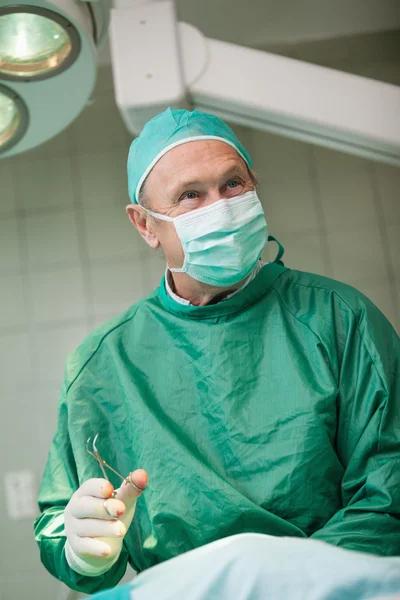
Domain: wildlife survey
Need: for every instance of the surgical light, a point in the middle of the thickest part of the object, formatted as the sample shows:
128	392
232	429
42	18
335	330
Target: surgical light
48	54
13	118
35	43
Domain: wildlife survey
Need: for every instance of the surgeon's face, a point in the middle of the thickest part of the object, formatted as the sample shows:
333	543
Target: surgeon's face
186	178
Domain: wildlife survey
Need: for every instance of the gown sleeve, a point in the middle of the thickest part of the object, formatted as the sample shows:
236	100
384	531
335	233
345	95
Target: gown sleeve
60	481
368	436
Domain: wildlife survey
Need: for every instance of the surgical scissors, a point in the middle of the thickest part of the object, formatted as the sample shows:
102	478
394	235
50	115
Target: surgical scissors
103	465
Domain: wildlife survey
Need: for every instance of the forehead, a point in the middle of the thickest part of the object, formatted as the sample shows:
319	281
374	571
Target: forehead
196	158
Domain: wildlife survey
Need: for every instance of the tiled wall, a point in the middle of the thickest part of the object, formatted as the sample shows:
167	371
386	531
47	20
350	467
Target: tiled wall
69	260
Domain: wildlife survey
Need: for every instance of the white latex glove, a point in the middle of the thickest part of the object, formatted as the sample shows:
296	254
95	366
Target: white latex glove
94	539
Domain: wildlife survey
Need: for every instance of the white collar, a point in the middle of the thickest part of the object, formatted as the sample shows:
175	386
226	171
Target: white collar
171	293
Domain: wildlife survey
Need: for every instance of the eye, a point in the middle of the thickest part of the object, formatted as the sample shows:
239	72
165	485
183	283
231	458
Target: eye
186	196
190	195
235	183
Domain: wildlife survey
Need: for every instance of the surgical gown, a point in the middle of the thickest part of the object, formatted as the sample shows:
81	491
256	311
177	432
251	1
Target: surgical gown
276	411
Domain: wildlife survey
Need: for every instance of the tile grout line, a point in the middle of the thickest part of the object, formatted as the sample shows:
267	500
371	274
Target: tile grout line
381	222
316	195
26	277
81	234
52	325
111	260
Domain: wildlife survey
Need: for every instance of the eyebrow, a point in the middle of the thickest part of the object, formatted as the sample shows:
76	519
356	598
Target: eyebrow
188	184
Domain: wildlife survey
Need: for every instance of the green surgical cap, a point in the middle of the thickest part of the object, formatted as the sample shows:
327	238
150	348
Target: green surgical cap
167	130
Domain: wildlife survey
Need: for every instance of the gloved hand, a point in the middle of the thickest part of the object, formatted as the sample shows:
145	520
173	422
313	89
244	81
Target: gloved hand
94	538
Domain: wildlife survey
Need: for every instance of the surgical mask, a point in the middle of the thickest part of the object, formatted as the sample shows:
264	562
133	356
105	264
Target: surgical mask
221	242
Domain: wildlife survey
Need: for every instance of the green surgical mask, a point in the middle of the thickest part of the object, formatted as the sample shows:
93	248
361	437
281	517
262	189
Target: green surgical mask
223	241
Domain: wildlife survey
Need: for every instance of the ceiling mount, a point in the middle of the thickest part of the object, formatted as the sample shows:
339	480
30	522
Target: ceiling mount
249	87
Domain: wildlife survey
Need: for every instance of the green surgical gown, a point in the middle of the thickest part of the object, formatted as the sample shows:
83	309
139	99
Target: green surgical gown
275	411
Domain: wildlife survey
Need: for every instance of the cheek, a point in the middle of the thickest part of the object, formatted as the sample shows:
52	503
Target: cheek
171	245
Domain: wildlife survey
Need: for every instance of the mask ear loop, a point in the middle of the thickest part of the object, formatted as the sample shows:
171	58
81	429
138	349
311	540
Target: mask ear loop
281	250
159	216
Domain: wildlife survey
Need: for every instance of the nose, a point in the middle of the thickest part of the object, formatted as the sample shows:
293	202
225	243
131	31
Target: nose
213	195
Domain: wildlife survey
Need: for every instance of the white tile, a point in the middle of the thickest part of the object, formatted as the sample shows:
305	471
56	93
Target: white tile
110	233
117	286
44	419
347	200
341	65
35	583
245	136
16	363
7	190
389	191
289	205
44	181
393	233
99	320
44	585
381	296
104	81
329	51
12	302
99	127
103	178
52	239
270	252
58	295
305	253
10	258
281	49
279	158
284	238
333	164
154	271
57	145
52	347
397	297
18	415
357	256
149	253
382	46
21	549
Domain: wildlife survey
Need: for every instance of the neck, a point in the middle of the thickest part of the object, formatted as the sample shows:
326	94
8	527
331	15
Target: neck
197	293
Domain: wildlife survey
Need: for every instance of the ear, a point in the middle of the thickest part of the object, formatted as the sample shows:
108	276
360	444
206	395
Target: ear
142	221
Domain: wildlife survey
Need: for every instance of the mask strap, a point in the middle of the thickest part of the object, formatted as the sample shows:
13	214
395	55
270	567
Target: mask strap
158	215
281	250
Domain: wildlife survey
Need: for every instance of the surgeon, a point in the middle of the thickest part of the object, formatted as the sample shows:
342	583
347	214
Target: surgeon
239	397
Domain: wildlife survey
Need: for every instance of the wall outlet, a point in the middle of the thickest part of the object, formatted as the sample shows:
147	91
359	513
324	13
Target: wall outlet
21	494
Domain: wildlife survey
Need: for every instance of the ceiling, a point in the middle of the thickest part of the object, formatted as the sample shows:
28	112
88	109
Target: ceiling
261	23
